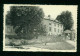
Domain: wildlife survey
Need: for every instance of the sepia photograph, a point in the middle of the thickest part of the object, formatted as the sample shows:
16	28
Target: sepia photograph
40	28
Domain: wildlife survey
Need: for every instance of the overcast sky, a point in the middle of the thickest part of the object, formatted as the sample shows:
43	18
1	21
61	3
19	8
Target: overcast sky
53	10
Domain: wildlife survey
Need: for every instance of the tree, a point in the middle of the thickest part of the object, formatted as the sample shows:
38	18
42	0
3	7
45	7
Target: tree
25	19
66	19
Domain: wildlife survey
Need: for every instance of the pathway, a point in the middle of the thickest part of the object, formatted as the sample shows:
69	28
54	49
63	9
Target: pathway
71	42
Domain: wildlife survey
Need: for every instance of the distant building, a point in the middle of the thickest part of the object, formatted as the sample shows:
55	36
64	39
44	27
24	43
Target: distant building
70	34
53	27
9	30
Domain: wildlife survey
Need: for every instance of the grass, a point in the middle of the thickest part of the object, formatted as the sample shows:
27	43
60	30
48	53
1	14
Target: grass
53	43
54	46
59	46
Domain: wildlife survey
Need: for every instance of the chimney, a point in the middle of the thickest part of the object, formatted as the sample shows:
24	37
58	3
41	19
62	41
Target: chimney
49	16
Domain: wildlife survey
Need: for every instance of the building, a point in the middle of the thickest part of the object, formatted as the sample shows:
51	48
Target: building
53	27
71	34
9	30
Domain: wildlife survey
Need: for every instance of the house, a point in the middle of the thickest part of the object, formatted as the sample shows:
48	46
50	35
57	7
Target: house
53	27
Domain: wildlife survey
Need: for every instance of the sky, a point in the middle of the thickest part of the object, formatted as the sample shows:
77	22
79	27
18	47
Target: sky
52	10
55	10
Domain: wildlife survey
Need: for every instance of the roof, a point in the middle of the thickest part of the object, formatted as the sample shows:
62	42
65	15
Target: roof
53	20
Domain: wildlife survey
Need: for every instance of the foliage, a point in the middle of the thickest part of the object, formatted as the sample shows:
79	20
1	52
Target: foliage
66	19
25	19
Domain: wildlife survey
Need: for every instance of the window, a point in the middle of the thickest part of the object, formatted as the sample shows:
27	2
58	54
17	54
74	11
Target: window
58	30
61	31
58	25
61	25
44	26
54	29
54	24
49	28
49	23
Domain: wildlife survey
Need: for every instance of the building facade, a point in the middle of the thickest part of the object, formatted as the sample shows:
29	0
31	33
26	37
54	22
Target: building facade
53	27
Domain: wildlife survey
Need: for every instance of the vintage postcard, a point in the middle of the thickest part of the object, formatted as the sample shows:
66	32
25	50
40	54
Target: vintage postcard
40	28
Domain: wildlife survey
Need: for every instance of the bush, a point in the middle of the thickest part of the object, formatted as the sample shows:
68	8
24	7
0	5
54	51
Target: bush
7	41
11	36
24	42
51	38
15	42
